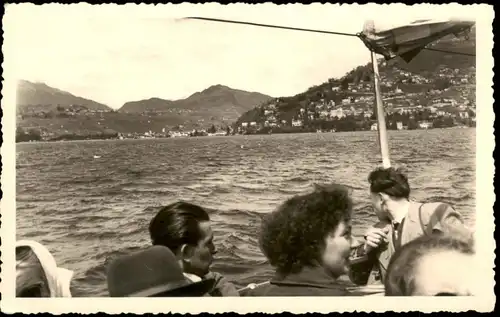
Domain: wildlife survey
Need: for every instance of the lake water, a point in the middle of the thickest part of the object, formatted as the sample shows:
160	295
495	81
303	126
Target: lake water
87	210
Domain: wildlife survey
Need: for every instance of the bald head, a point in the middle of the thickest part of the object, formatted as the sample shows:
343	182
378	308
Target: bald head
432	266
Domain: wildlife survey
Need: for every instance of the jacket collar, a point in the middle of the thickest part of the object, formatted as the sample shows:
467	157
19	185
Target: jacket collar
310	277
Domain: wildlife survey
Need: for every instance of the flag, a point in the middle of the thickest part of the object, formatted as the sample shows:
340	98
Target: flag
408	39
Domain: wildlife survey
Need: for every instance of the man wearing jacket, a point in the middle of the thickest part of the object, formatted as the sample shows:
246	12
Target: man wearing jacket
401	220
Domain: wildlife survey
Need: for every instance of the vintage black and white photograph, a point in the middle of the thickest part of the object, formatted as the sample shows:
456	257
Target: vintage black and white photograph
270	151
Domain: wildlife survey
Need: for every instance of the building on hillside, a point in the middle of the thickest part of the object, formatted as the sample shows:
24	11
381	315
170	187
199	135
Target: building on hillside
270	124
463	114
338	113
244	124
323	114
425	125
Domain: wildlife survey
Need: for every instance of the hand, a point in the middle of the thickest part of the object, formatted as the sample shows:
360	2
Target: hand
375	237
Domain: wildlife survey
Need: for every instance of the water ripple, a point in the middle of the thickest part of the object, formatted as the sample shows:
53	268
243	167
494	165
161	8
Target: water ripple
87	211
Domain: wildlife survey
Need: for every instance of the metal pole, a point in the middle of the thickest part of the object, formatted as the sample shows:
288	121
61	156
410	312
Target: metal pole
382	128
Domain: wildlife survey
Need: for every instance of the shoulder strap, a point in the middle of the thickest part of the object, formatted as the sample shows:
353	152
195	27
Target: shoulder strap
435	217
420	219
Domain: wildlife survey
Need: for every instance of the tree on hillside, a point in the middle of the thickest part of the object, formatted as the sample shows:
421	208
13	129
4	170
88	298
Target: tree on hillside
442	83
344	85
212	129
27	135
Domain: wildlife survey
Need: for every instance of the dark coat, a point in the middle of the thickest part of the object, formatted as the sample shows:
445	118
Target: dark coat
311	281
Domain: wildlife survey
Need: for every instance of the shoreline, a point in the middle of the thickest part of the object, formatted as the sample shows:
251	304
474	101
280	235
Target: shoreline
221	136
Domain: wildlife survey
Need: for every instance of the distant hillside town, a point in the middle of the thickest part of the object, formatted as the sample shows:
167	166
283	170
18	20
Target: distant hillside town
435	90
49	114
447	99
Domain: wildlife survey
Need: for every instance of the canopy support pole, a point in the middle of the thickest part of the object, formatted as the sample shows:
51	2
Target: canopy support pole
381	128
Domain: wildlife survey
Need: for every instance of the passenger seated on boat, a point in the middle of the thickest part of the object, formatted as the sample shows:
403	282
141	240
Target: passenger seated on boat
153	272
37	273
400	221
307	240
185	229
436	265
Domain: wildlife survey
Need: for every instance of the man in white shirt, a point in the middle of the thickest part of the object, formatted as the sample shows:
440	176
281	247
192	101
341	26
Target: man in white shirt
185	229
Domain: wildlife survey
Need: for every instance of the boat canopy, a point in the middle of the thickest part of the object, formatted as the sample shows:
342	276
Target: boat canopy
408	39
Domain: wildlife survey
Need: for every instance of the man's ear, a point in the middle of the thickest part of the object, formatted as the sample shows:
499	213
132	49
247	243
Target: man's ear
383	197
186	252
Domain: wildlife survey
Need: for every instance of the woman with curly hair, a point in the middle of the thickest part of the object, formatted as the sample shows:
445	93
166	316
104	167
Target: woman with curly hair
307	240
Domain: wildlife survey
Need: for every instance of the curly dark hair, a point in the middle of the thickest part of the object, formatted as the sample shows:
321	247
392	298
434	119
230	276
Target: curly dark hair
293	236
390	181
400	280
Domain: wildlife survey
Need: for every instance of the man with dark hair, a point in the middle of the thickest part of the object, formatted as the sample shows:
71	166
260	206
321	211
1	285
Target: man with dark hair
185	229
307	240
400	221
433	265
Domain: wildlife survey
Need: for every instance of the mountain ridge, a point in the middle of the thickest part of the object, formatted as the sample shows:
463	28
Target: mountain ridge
40	96
213	96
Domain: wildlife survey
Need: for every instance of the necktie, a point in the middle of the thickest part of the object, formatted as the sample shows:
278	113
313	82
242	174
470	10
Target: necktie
396	234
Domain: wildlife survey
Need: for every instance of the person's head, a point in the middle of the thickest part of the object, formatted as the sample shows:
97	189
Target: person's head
31	280
388	187
37	272
436	265
185	229
152	272
310	230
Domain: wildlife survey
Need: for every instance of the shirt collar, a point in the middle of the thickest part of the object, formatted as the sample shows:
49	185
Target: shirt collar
191	277
401	215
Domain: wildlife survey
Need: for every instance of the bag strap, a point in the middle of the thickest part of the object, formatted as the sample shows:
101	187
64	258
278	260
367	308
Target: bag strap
436	216
422	226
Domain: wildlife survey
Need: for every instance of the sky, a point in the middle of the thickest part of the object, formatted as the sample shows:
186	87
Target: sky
113	54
